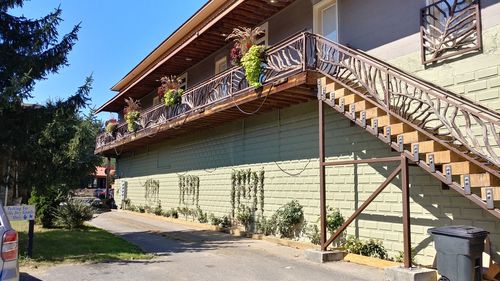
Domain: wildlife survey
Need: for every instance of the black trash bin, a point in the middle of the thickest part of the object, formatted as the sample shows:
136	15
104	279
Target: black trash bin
459	251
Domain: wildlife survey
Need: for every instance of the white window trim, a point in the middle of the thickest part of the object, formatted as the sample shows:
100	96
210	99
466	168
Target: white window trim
218	62
320	6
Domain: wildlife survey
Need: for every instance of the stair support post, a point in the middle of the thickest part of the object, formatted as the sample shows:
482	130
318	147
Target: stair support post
405	188
322	184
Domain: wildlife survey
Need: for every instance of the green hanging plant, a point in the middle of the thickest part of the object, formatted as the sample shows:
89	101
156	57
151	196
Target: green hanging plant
173	97
132	114
252	62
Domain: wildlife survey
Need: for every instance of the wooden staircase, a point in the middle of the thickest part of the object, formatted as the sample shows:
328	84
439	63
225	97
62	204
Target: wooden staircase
474	177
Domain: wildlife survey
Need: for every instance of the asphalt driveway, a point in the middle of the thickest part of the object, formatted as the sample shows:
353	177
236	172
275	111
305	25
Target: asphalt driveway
184	253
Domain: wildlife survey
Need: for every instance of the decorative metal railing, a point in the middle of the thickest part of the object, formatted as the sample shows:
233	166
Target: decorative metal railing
451	117
282	60
449	28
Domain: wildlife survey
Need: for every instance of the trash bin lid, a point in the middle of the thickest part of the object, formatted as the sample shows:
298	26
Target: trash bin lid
464	231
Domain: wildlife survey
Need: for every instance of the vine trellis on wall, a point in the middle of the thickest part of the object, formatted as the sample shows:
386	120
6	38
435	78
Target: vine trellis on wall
151	191
189	190
247	189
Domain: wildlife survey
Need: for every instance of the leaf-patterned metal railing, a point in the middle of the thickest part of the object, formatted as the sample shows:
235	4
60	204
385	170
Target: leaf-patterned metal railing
449	28
283	59
451	117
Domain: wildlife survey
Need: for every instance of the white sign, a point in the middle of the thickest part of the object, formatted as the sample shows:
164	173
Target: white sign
20	213
123	190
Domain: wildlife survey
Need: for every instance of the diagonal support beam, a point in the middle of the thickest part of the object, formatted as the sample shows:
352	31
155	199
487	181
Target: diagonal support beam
363	206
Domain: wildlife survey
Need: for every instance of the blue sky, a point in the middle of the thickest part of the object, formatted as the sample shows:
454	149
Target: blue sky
115	36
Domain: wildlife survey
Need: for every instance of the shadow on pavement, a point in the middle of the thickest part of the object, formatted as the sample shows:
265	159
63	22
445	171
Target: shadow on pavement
23	276
163	243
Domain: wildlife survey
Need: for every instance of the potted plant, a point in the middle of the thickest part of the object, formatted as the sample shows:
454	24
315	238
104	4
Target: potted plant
170	91
132	114
248	54
111	126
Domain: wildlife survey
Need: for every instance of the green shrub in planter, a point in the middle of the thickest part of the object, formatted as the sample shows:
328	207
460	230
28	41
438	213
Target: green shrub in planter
73	213
245	216
312	232
202	217
288	217
214	220
266	226
157	209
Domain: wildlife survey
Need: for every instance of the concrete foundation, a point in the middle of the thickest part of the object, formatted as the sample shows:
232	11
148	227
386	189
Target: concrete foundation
409	274
324	256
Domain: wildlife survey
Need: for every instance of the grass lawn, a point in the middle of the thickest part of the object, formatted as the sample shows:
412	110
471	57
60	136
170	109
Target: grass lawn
86	245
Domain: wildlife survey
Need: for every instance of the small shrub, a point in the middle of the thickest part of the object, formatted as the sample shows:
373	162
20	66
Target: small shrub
73	214
288	217
312	232
334	219
202	217
370	248
141	209
245	216
185	211
214	220
374	248
353	244
174	214
226	222
157	210
400	256
266	226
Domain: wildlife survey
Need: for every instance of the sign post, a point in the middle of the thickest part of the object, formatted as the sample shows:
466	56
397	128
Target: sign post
24	213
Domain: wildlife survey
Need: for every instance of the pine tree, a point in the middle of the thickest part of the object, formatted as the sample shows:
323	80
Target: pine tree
29	51
49	148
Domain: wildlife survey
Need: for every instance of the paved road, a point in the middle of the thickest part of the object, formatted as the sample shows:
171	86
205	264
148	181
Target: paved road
189	254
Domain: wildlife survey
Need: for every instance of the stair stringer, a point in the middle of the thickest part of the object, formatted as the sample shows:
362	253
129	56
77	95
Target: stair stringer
395	146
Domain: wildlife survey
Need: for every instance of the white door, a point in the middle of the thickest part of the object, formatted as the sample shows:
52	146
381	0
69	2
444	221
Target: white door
326	19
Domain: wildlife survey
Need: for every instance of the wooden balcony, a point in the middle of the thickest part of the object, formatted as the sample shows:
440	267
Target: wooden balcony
287	78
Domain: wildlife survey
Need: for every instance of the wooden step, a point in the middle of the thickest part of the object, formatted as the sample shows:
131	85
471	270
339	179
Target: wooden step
480	180
462	168
350	99
374	113
398	129
385	120
413	137
342	93
496	193
427	146
443	157
362	105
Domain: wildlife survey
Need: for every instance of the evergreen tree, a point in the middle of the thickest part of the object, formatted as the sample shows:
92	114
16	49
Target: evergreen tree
49	149
29	51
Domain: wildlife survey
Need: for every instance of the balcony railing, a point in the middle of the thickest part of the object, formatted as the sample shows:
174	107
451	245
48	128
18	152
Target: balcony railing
449	116
282	60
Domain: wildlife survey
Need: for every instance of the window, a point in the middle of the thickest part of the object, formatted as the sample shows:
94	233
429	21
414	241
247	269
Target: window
220	65
326	19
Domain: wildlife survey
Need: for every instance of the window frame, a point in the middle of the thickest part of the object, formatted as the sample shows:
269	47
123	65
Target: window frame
318	8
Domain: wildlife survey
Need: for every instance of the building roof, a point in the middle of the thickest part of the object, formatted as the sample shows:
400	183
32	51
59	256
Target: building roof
199	36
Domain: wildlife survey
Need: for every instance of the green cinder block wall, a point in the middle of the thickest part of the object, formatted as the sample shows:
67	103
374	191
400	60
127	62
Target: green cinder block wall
284	143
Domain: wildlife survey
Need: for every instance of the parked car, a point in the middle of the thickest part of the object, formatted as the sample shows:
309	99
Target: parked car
9	262
100	192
